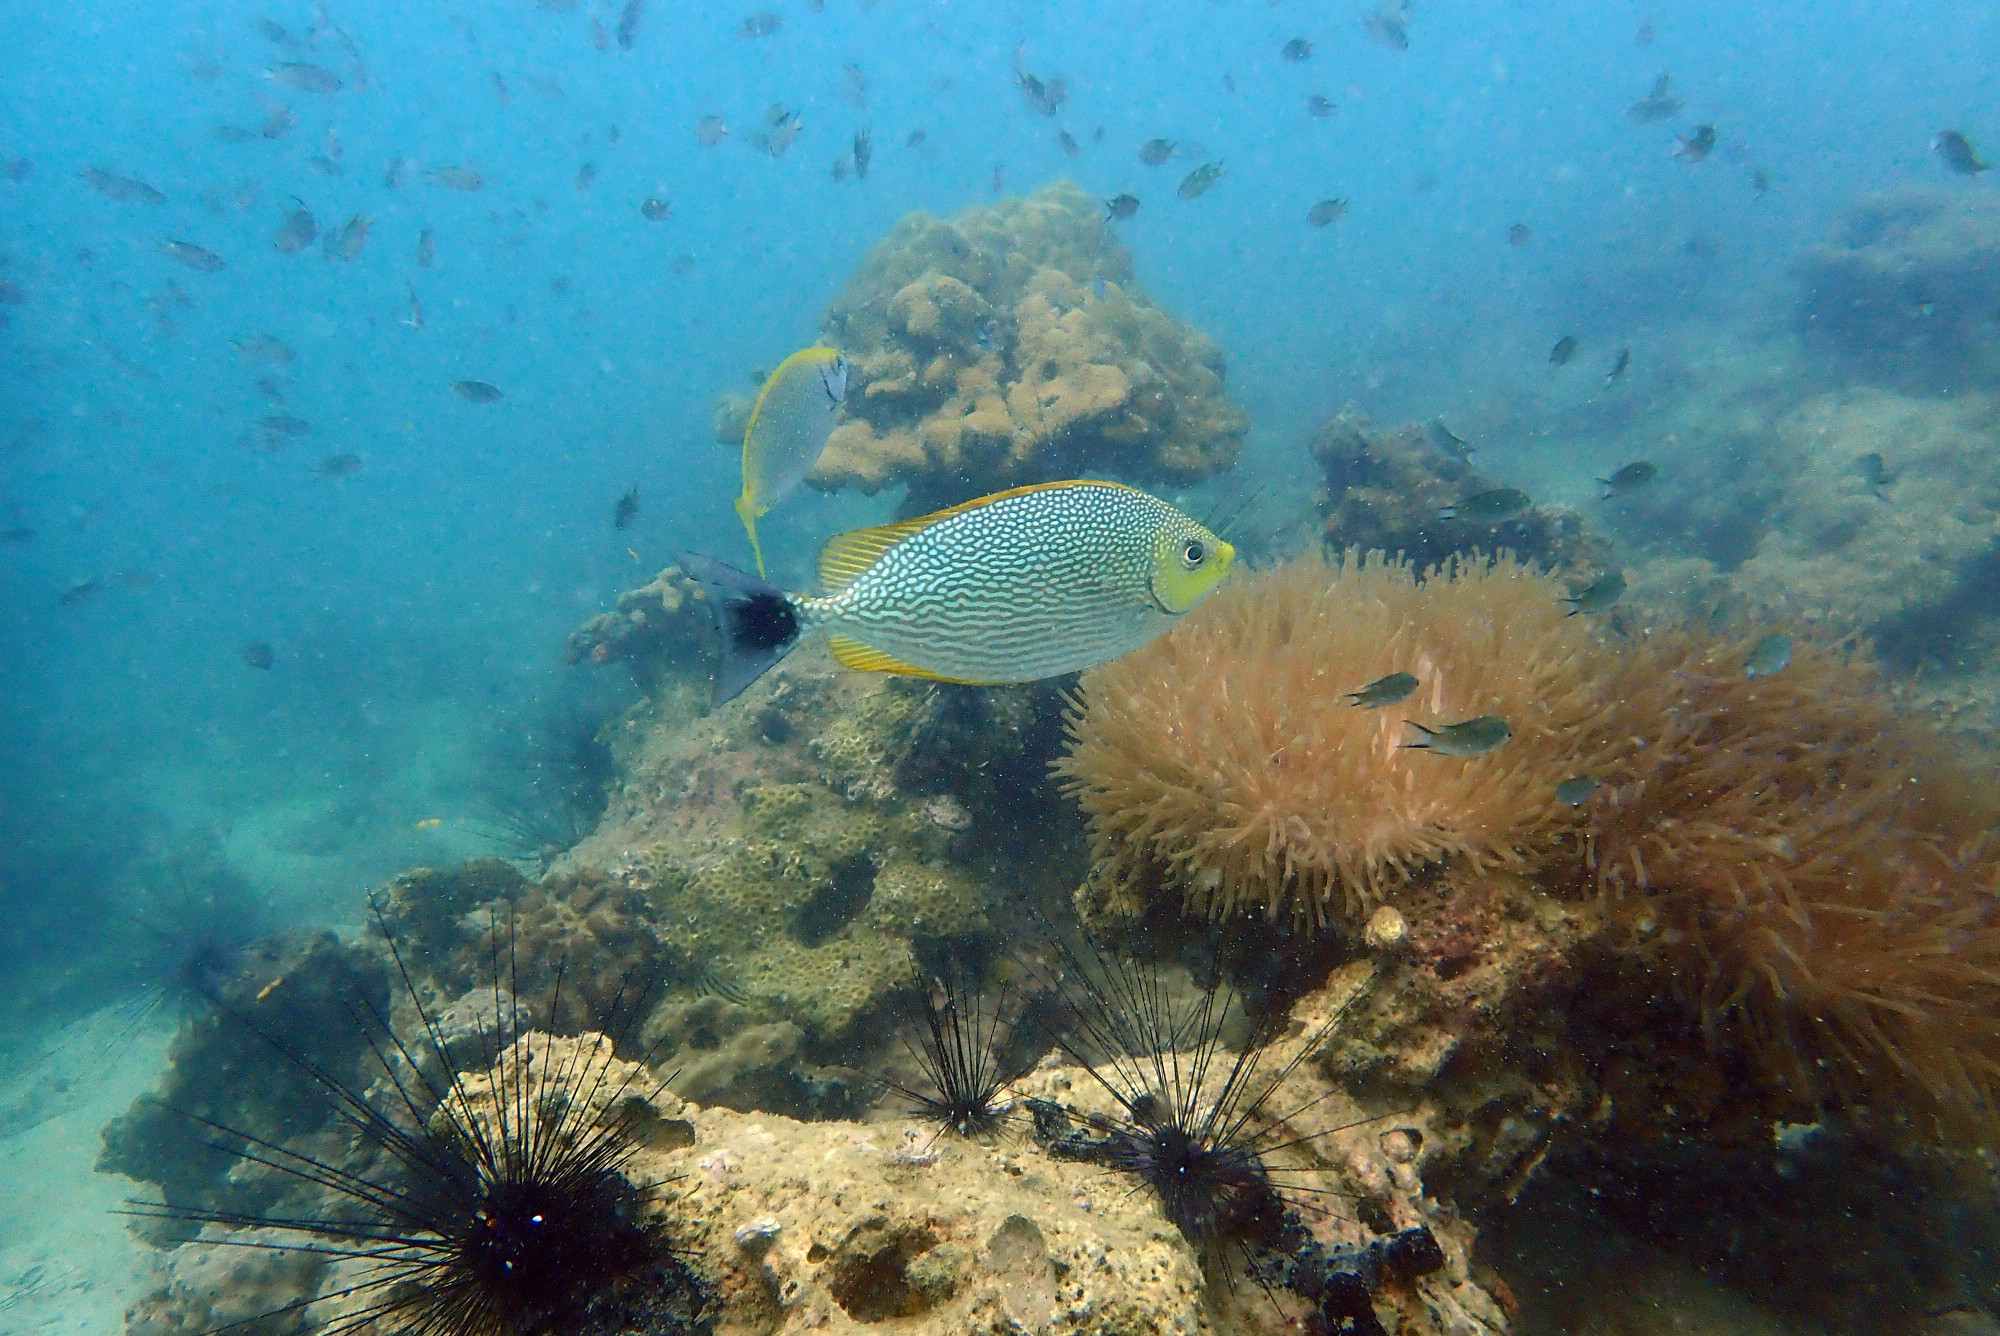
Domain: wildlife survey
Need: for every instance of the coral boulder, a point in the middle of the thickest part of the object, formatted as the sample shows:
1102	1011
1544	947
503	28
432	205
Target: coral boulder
1011	345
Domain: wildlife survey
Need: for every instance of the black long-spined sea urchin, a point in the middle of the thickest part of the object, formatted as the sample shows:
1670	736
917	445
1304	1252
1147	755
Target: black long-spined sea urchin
1192	1138
505	1208
1201	1137
955	1048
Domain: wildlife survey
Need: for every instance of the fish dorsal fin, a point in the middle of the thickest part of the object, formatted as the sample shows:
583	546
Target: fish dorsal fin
847	555
851	653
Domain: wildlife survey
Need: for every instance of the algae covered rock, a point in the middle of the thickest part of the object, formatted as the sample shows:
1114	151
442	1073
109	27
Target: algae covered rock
1906	293
303	986
816	902
1009	345
1383	490
1898	543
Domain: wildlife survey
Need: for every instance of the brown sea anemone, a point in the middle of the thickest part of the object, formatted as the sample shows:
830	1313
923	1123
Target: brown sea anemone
1225	762
1814	865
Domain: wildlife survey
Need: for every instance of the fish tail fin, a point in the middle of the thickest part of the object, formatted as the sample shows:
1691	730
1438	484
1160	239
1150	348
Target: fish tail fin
1425	740
757	622
748	514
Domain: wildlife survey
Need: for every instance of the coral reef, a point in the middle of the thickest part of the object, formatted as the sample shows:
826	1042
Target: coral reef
1854	511
1383	491
1906	293
1814	871
806	841
1225	765
1008	345
493	1198
808	903
305	986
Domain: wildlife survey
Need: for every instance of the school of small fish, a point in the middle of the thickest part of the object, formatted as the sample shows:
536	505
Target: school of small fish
1024	584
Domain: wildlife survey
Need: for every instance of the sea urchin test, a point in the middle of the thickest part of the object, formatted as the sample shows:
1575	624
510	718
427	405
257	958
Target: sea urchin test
788	428
1024	584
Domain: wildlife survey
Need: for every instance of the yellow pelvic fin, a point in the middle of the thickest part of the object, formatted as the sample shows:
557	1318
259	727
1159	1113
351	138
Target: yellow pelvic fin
748	514
847	555
851	653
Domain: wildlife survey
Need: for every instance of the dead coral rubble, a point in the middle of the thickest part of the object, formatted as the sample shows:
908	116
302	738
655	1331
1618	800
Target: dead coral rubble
1008	345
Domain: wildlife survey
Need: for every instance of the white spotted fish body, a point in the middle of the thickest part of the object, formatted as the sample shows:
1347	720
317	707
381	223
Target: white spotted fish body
1020	585
1024	584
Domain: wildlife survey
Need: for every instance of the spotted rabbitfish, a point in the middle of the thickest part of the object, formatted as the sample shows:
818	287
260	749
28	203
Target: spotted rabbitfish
1028	583
788	428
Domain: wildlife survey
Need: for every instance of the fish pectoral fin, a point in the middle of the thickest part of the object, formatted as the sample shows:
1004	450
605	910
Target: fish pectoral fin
851	653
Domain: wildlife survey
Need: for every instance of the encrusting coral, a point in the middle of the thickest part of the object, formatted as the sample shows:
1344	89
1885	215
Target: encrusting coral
1012	345
1225	762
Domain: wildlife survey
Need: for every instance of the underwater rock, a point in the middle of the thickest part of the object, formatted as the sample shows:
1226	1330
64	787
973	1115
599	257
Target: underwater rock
231	1279
794	852
1901	546
424	903
805	841
802	897
1845	1232
660	629
1384	489
1010	345
299	984
838	1226
520	1158
1905	295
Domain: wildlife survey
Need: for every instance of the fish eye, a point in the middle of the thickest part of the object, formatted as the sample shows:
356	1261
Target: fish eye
1194	553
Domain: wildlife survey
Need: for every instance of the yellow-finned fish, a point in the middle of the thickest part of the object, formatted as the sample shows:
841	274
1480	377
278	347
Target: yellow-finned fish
788	428
1027	583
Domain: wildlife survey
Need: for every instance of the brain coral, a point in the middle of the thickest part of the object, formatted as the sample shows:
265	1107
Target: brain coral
1011	345
1224	761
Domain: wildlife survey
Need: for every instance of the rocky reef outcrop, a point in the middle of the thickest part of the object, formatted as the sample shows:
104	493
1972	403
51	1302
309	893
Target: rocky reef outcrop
1905	293
1383	490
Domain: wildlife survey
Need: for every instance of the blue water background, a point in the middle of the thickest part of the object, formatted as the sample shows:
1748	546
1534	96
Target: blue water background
416	610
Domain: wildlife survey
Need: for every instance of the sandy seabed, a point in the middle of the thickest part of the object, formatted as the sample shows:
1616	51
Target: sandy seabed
68	1267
